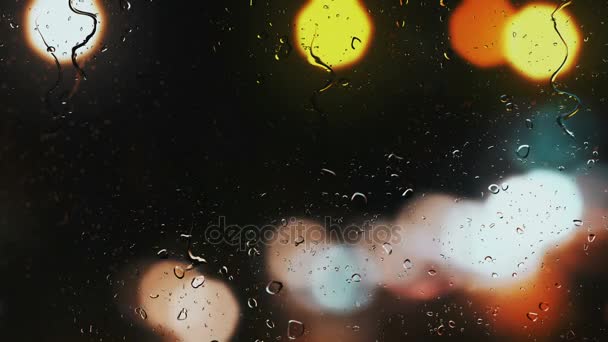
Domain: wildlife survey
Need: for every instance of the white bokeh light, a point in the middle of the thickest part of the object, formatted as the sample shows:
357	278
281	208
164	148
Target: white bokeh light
339	280
61	28
320	275
503	240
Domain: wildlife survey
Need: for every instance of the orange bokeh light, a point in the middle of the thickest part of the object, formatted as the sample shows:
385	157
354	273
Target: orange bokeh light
538	306
476	31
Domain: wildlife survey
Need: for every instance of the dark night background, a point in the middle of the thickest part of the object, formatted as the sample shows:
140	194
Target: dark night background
191	117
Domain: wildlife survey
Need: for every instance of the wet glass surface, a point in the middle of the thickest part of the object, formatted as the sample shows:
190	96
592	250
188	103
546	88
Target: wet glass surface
312	170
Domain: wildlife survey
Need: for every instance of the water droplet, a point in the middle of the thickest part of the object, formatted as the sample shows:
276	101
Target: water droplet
356	278
394	156
388	248
494	275
432	272
282	49
529	124
253	252
358	195
407	264
523	151
223	270
154	295
298	241
504	98
533	316
591	238
328	171
505	186
456	154
440	330
125	5
274	287
50	49
183	314
198	281
488	259
407	192
494	188
561	168
252	303
295	329
179	272
195	257
163	254
270	323
141	313
570	335
429	313
451	324
543	306
519	230
509	106
577	223
558	285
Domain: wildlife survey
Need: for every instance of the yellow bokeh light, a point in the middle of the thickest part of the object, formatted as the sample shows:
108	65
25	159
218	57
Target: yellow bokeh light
338	31
534	48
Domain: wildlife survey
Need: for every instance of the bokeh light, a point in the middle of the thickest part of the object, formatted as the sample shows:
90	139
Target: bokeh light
52	23
539	304
414	250
502	241
186	309
533	47
476	28
337	282
318	274
338	32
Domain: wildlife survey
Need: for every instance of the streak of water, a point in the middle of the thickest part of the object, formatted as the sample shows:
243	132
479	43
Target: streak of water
85	41
561	118
55	86
330	82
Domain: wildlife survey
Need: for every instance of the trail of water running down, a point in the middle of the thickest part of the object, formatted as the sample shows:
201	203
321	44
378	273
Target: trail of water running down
561	118
86	40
